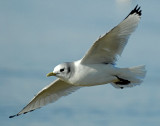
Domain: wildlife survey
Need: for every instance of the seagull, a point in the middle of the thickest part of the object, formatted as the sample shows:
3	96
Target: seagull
97	67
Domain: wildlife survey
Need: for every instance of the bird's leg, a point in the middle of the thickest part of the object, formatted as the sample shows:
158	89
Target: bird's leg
122	81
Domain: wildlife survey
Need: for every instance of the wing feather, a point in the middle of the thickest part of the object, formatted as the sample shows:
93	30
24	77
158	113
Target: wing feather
47	95
108	47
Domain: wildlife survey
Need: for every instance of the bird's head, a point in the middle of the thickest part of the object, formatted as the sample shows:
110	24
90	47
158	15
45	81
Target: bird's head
62	71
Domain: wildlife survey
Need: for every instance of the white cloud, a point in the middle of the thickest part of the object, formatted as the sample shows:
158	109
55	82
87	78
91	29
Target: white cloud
123	4
123	1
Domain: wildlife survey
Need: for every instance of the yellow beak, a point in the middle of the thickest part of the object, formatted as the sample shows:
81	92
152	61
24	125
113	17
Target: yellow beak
51	74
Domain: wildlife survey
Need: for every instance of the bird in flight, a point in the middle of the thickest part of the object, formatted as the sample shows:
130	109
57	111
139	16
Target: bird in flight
97	67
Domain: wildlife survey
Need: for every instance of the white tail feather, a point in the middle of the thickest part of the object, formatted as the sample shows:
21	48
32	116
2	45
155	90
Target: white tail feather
133	74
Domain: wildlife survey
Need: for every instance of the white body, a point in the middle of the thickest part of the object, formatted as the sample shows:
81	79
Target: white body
89	75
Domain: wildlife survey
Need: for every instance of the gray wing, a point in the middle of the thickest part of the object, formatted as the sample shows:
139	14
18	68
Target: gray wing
47	95
107	48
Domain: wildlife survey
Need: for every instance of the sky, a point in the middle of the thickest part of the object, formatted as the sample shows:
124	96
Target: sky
36	35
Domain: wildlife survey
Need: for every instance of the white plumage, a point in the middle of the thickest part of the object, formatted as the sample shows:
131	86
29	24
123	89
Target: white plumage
49	94
95	68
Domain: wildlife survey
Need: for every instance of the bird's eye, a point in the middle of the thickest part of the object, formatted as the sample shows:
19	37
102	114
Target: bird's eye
61	70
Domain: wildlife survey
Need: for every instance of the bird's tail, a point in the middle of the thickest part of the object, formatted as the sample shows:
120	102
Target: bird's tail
129	77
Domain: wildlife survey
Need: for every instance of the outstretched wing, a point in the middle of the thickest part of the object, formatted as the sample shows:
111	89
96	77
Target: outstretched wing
107	48
47	95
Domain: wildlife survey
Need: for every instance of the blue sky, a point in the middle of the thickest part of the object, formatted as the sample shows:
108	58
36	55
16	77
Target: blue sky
36	35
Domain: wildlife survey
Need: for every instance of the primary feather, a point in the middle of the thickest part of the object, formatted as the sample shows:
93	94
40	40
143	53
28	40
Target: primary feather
107	48
49	94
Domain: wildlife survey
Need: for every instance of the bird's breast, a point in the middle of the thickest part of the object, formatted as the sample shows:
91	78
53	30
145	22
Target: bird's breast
89	75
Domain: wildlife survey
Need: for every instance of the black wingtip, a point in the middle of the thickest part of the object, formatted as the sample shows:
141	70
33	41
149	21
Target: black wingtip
20	114
13	116
136	10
